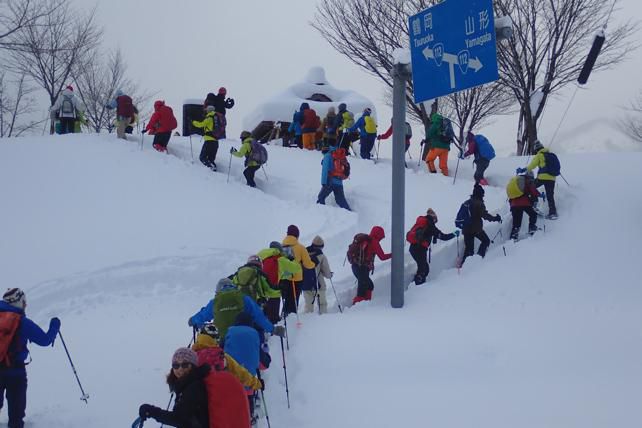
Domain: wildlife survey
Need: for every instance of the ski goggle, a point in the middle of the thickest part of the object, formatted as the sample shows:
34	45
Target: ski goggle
185	365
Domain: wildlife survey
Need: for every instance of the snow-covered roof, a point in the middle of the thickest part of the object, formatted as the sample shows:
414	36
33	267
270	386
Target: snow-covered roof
282	106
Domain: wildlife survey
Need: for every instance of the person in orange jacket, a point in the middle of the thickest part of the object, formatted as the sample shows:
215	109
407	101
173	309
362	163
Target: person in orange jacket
362	271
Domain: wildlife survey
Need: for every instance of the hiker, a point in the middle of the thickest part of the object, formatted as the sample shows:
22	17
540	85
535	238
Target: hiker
124	112
227	303
334	169
309	124
277	267
295	128
367	127
253	282
67	109
548	168
522	197
213	127
17	331
361	255
439	144
207	348
328	129
388	133
251	165
315	288
343	122
161	125
480	147
472	227
420	236
291	288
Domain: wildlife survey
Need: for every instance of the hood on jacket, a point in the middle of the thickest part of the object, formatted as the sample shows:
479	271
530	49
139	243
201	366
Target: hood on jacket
342	107
435	117
304	106
367	111
377	233
158	104
119	92
290	240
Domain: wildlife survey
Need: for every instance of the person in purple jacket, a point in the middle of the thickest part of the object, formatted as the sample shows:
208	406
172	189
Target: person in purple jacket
13	374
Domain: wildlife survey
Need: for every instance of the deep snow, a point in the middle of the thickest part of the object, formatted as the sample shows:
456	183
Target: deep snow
124	245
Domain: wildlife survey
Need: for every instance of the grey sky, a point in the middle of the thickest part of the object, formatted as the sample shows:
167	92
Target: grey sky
255	48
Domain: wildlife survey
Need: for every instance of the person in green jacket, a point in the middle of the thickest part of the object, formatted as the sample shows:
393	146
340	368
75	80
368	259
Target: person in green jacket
276	266
439	147
253	282
246	149
543	178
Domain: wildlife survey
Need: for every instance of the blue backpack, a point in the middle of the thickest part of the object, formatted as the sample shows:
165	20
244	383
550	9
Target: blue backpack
463	215
551	164
485	148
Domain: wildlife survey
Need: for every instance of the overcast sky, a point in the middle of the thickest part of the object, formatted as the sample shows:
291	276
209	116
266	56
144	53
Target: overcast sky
256	48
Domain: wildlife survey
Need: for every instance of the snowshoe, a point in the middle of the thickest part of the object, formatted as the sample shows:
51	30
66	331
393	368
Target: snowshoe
551	217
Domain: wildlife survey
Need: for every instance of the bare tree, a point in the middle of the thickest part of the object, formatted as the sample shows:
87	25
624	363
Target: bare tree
49	50
15	106
631	124
368	31
547	51
18	14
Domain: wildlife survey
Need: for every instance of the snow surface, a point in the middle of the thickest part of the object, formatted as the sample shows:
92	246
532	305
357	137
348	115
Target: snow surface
124	245
281	107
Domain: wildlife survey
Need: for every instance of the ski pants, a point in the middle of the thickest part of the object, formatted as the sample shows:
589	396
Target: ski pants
161	140
122	122
367	143
549	188
315	296
13	382
480	167
365	286
271	309
518	214
442	154
469	244
420	254
308	140
291	291
208	153
67	125
339	196
249	172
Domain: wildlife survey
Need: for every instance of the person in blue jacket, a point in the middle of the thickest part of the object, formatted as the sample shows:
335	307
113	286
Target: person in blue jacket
331	179
367	133
480	147
295	128
13	374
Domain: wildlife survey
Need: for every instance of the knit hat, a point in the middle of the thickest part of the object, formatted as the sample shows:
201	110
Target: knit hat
255	260
71	88
277	245
318	241
432	214
222	283
185	355
15	297
293	231
331	110
222	91
537	146
478	191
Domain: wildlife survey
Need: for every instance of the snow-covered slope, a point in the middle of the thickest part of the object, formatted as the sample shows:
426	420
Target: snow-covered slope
124	245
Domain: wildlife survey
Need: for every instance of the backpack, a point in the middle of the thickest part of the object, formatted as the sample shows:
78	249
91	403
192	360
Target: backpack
227	305
125	106
9	323
447	131
348	119
67	108
340	165
485	148
247	280
258	153
357	250
463	215
310	282
515	187
369	125
551	164
172	119
219	123
408	131
226	401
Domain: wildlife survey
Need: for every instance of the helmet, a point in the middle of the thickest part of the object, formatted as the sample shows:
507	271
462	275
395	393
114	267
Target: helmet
210	330
245	134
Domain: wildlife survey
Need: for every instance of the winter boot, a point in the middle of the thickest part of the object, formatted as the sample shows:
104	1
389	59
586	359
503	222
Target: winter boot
552	216
532	229
369	295
419	279
514	234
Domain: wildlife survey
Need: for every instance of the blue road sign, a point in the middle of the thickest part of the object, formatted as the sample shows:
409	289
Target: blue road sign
452	47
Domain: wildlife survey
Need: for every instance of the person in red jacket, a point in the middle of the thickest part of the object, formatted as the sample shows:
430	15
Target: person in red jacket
420	236
161	125
365	286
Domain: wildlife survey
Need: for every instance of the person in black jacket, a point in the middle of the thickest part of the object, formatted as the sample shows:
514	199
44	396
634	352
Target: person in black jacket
475	228
185	380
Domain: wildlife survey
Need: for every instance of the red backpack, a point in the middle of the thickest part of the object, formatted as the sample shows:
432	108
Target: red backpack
340	165
271	270
357	251
226	401
125	106
9	323
171	119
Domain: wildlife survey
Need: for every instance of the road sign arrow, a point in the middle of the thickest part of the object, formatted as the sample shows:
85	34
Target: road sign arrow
475	64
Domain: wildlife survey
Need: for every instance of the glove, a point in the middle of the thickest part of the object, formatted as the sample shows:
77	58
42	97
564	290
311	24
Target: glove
331	275
498	218
456	233
190	322
279	330
520	171
143	131
378	137
543	195
146	411
54	324
262	384
233	150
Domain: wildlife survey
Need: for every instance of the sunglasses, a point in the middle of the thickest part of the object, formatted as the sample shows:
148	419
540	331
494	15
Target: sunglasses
176	366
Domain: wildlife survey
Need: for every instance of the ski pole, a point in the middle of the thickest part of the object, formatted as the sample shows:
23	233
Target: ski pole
285	371
296	305
456	169
335	296
84	397
285	322
267	417
229	168
499	232
191	148
193	339
567	183
457	246
265	173
378	144
169	403
138	423
142	137
429	253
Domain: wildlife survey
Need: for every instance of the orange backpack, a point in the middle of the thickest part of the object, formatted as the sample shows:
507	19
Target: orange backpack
9	323
340	164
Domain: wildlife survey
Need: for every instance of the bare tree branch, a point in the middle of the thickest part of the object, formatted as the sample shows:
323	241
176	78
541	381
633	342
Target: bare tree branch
631	124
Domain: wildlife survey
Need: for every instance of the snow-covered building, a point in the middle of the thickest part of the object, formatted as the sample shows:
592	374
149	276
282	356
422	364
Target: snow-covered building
276	113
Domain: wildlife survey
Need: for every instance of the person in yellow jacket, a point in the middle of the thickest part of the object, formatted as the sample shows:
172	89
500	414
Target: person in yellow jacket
209	352
291	289
246	149
544	178
277	267
213	127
